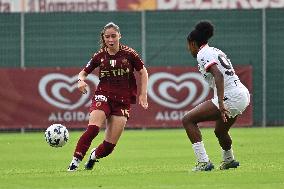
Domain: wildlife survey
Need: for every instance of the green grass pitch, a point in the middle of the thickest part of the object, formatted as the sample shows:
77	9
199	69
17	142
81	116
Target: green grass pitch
148	159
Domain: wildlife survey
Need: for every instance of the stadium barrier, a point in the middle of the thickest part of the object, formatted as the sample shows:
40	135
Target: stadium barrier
66	39
35	98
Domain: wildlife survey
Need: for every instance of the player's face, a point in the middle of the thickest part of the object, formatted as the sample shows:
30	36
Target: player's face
111	38
193	48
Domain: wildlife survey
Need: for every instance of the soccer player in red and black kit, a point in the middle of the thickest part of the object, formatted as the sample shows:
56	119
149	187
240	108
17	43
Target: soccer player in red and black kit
115	92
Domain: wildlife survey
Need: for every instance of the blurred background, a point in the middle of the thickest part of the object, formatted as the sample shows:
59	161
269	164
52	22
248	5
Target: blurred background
45	43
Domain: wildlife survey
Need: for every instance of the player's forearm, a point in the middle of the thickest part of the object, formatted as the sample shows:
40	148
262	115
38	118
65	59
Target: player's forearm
82	75
219	81
144	81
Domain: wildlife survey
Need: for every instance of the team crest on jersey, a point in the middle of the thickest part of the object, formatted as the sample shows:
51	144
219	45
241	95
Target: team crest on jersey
112	62
124	61
98	104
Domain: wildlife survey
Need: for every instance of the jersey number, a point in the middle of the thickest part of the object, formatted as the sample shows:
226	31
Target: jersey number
125	112
226	64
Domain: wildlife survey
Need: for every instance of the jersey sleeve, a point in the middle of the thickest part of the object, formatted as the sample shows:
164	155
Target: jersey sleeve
207	60
136	61
92	64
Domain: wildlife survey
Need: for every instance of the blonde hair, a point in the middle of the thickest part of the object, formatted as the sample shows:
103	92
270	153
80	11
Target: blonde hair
107	26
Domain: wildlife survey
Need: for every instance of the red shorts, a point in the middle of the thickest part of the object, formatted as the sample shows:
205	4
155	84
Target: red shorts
110	107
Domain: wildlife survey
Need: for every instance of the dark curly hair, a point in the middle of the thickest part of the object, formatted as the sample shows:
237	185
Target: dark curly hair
202	32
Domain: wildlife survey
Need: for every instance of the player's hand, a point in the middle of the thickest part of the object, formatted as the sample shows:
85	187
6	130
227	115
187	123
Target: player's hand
224	112
82	86
143	101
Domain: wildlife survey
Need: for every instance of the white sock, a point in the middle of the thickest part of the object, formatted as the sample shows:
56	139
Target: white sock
75	161
200	152
228	156
93	154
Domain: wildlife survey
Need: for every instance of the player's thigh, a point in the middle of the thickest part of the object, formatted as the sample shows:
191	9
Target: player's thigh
97	117
99	112
115	128
205	111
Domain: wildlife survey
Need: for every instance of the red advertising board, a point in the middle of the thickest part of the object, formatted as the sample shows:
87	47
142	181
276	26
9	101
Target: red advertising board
38	97
136	5
173	91
132	5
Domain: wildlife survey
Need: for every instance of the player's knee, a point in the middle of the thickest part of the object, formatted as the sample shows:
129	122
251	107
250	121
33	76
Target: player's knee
187	118
91	131
184	121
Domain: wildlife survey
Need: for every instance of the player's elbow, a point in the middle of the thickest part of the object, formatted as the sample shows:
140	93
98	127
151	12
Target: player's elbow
143	72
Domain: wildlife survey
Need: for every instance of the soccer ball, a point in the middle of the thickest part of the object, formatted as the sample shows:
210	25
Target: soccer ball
56	135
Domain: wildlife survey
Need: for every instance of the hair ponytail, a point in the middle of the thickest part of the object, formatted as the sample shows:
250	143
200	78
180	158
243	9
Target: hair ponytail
203	31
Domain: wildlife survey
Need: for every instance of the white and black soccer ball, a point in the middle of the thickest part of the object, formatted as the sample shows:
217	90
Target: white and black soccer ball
56	135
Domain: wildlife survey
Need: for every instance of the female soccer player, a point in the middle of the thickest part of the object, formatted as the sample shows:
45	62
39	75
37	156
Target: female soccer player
116	91
230	99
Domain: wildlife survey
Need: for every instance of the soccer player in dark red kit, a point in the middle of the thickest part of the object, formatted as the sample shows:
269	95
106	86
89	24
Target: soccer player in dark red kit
115	92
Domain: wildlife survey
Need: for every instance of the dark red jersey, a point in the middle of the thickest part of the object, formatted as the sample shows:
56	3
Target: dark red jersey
116	73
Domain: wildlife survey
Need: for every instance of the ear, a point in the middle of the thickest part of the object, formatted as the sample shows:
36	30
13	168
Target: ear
119	37
193	44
